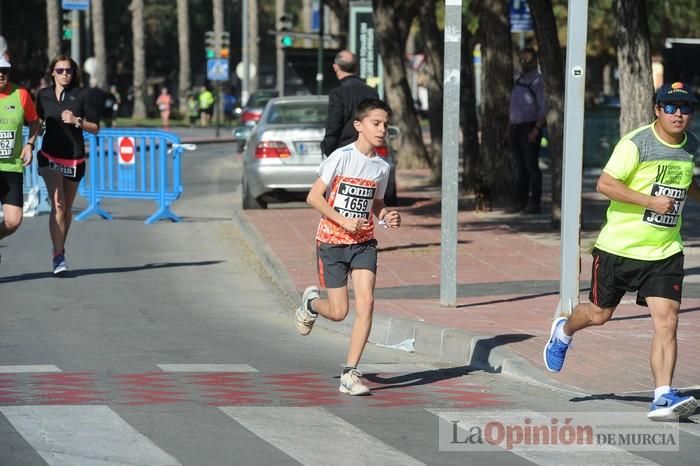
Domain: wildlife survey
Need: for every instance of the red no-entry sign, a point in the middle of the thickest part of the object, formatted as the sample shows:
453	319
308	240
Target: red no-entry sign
126	151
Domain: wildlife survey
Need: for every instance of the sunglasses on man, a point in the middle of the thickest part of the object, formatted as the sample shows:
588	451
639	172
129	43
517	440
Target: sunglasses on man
63	70
670	109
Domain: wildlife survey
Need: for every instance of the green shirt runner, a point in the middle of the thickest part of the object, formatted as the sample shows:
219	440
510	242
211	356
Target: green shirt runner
648	165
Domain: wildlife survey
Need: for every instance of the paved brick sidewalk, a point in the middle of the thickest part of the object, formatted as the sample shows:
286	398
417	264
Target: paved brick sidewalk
508	271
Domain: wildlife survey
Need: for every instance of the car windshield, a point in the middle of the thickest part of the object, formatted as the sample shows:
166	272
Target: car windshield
260	99
297	112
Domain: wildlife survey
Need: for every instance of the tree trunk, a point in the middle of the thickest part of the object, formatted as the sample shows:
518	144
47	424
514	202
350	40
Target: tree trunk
553	74
434	66
472	166
218	15
634	62
98	38
139	83
183	42
497	82
392	18
53	29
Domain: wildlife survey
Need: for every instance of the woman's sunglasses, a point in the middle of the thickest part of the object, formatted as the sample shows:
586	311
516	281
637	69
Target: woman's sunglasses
63	70
670	109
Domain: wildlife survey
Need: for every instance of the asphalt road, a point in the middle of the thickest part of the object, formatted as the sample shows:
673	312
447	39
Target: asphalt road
169	344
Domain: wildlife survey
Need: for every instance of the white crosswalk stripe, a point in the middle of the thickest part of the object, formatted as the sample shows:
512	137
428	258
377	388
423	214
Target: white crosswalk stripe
295	431
603	455
206	368
36	368
84	435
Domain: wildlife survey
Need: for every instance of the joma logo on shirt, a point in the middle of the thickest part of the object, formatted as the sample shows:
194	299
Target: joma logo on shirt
670	219
356	191
10	108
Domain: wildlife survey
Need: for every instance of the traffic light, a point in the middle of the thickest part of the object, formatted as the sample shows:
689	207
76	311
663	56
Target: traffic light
209	44
67	26
285	24
225	44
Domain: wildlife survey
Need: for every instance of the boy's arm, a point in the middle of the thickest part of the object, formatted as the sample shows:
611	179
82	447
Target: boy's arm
317	199
391	218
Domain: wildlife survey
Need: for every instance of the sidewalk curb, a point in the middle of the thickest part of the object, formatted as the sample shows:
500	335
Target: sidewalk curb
444	344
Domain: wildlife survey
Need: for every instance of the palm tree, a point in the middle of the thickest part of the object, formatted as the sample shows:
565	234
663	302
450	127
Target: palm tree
139	82
53	28
183	38
98	37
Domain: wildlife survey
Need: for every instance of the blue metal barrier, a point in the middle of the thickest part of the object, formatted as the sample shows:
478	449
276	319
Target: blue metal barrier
127	163
34	183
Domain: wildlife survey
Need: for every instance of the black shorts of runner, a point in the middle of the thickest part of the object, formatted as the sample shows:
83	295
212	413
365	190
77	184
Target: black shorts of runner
74	174
335	261
11	185
612	276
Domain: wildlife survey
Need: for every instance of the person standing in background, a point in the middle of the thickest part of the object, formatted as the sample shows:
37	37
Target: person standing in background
343	102
527	118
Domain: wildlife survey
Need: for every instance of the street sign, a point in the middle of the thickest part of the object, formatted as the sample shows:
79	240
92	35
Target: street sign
315	15
217	69
520	17
127	152
363	43
82	5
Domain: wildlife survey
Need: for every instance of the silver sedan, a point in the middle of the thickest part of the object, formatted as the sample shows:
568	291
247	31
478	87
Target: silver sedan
283	152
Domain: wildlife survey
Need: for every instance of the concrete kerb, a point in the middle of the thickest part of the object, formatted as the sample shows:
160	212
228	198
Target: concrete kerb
450	345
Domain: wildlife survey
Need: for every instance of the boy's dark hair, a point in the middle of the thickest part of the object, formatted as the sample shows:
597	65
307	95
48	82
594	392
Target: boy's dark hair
367	105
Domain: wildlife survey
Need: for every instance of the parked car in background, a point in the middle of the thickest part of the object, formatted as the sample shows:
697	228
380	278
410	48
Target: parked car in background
250	114
283	152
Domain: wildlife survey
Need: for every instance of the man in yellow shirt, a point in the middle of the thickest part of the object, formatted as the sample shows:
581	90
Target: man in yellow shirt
647	179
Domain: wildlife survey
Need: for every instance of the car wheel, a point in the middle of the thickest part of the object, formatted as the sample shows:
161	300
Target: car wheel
249	202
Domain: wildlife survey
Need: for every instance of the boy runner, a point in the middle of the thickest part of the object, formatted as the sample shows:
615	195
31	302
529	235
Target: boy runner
349	189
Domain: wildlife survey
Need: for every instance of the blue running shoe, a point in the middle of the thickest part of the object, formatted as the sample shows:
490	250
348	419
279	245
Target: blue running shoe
555	349
672	406
59	264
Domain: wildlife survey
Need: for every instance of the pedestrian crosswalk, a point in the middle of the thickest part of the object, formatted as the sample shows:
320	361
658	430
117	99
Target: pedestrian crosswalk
311	432
98	435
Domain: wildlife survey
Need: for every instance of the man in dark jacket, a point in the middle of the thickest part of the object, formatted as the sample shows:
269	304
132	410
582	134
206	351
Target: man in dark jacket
342	102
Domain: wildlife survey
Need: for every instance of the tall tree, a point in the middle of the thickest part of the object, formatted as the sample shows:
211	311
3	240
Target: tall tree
253	43
472	165
497	81
53	28
434	69
553	74
634	63
98	38
183	42
392	19
139	83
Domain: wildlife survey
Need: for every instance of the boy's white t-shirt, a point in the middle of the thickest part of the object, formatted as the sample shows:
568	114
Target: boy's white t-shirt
353	181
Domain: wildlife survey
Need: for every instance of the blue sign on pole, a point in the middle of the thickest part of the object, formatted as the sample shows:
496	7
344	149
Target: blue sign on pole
83	5
217	69
520	17
315	16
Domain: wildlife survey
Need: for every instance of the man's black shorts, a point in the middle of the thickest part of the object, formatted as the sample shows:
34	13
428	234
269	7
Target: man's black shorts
335	261
612	276
11	185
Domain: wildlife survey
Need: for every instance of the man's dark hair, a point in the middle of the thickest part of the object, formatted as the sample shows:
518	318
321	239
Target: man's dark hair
367	105
349	66
531	51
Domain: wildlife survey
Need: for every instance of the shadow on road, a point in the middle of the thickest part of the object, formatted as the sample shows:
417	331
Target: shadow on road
81	272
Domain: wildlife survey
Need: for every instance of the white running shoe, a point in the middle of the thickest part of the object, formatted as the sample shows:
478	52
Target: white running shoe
303	318
351	384
59	264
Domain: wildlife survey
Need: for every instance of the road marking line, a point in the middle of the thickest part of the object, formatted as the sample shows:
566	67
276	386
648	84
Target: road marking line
29	368
84	435
315	436
206	368
602	455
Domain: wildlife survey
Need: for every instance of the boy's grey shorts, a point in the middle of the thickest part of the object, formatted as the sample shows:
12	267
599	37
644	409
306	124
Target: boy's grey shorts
335	261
